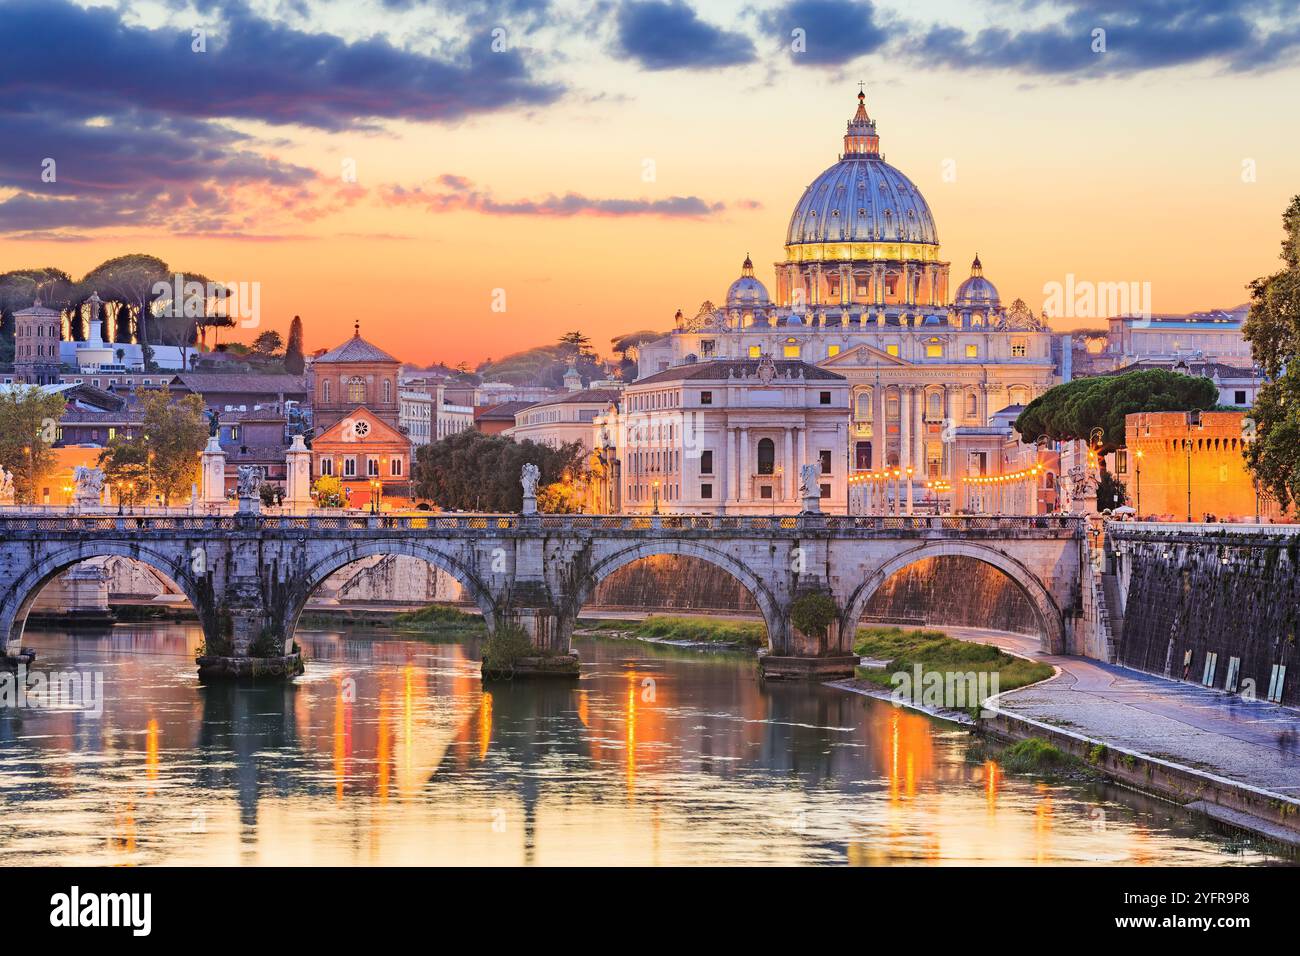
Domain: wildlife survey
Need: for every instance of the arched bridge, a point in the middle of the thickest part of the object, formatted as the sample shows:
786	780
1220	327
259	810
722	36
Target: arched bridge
249	576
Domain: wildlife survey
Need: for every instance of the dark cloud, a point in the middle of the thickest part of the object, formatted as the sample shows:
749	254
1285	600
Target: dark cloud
669	36
253	69
1243	35
458	194
834	31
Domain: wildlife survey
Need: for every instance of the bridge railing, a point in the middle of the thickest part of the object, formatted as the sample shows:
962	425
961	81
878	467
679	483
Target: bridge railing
490	523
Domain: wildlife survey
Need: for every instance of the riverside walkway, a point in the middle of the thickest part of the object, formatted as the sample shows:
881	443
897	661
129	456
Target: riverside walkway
1249	742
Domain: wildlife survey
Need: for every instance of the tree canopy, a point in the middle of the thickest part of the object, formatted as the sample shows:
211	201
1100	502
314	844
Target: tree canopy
1072	410
163	456
470	471
29	420
1273	330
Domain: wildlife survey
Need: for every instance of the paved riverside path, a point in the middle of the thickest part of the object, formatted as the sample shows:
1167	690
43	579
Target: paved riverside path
1253	742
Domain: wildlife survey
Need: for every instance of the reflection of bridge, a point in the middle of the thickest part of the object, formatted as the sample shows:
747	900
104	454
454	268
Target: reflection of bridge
249	576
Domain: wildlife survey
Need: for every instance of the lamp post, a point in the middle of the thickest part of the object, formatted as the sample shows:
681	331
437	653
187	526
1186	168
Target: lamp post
1138	456
656	496
375	489
119	499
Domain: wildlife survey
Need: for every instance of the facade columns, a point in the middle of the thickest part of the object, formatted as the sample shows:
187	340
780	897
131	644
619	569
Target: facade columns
732	490
743	470
790	487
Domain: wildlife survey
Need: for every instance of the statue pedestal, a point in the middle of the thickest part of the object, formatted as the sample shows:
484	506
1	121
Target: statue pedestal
297	485
530	505
213	467
250	506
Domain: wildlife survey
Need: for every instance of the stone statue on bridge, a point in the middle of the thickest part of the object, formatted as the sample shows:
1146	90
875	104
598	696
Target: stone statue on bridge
529	475
89	486
6	486
249	483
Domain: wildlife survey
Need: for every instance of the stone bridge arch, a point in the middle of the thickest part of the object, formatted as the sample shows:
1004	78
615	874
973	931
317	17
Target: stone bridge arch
607	564
17	599
349	552
1051	621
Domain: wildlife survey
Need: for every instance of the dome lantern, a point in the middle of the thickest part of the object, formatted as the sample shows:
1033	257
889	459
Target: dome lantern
861	138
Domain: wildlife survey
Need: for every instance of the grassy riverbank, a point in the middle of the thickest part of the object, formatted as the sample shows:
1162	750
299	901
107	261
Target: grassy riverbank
935	651
700	630
435	621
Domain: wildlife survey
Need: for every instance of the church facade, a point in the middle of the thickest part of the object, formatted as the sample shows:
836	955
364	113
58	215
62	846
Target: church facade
863	292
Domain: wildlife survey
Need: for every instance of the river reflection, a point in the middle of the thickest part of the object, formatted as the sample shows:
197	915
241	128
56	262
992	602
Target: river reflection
391	751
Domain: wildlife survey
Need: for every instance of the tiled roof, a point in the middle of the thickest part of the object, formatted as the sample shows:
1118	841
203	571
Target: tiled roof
355	349
725	368
588	396
505	412
250	383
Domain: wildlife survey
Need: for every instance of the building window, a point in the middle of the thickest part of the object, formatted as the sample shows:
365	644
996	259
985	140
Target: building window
357	390
825	491
1239	397
765	491
933	350
234	433
971	405
972	351
706	462
892	350
790	351
862	456
766	456
706	398
934	406
755	351
1018	348
325	392
372	467
327	466
395	466
824	457
824	398
706	347
349	467
832	350
863	413
706	491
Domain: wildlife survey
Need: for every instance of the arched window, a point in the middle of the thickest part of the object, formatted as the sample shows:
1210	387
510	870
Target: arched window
891	406
766	456
972	408
357	390
388	391
864	406
325	391
934	401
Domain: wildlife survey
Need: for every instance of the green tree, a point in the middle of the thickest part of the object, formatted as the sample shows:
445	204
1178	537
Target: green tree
328	492
293	356
1273	330
172	433
1072	410
268	343
470	471
29	424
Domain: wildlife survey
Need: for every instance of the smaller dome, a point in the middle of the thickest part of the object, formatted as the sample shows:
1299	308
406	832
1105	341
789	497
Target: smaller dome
977	290
747	291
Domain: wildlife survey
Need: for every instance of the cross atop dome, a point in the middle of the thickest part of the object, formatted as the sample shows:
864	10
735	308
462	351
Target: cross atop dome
356	329
977	267
861	140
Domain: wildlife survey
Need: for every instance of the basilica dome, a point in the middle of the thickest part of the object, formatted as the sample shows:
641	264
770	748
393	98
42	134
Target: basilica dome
862	198
747	291
977	291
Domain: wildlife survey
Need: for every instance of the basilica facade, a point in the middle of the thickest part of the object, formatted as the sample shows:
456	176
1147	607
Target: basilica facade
863	292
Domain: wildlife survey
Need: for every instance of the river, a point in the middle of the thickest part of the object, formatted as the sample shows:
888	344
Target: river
391	751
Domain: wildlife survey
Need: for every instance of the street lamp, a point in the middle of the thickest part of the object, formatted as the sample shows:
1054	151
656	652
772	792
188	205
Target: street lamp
1138	455
375	489
119	499
656	497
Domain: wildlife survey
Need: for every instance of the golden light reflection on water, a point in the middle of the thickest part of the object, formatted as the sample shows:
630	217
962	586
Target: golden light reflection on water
390	752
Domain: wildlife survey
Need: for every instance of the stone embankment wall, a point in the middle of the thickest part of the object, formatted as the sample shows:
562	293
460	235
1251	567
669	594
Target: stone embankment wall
1216	604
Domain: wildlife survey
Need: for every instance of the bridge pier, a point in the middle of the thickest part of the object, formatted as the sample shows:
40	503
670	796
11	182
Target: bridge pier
245	640
827	655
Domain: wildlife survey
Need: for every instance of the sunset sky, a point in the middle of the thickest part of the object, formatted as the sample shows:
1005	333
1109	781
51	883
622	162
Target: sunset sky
612	162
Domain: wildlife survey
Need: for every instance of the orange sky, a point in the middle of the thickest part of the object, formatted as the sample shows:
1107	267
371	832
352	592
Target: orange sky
1135	178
